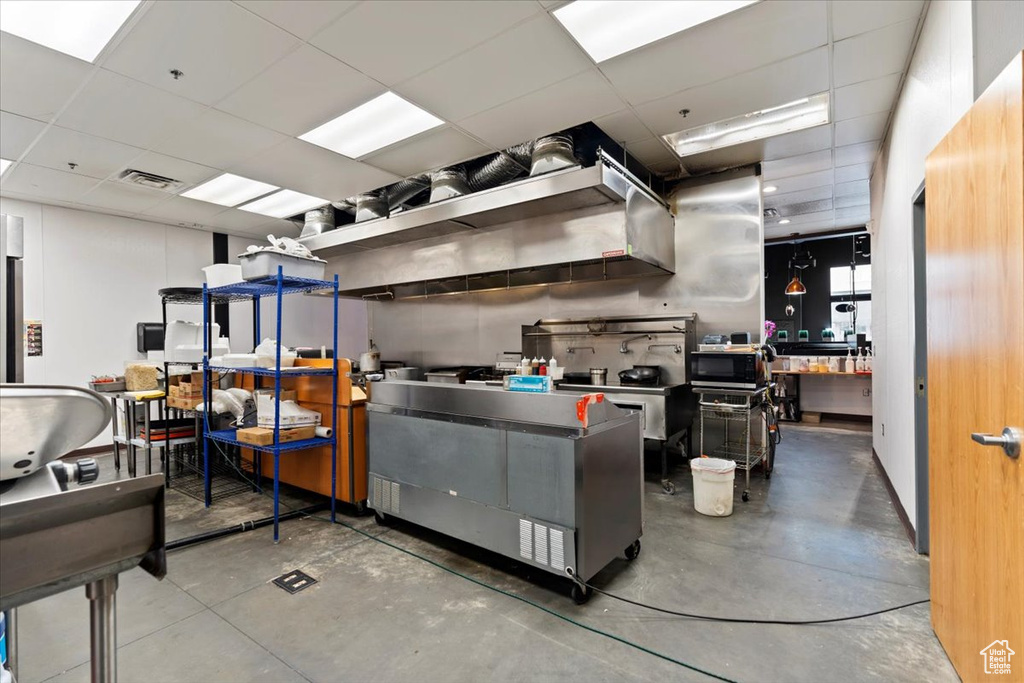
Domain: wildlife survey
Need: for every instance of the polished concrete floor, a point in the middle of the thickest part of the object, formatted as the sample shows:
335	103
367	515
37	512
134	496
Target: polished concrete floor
820	539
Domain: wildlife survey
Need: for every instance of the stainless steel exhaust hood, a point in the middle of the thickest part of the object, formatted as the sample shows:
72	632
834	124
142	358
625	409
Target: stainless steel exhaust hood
572	225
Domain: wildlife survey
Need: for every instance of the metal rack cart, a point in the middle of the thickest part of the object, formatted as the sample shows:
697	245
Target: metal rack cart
745	432
255	290
188	473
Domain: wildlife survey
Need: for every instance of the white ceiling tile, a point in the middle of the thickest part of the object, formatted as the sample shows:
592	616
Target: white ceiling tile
118	108
768	86
805	163
575	100
861	129
853	187
16	134
427	152
850	17
302	18
169	167
45	183
811	194
854	214
392	41
486	76
218	139
654	154
853	200
236	219
743	40
819	225
623	126
184	210
300	92
121	197
95	157
856	154
36	81
867	97
807	219
870	55
306	168
218	45
803	181
846	174
797	143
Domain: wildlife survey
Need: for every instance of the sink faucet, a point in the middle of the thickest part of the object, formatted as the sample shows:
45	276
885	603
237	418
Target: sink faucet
624	346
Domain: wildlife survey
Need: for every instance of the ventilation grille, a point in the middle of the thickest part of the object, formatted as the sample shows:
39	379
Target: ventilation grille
150	180
386	495
541	544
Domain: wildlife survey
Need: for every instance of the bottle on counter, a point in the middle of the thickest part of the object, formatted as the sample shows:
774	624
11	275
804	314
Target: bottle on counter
524	366
850	364
833	364
535	366
859	366
542	367
868	361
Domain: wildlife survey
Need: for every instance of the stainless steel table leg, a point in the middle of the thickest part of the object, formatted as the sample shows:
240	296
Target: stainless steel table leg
149	437
117	446
11	627
103	629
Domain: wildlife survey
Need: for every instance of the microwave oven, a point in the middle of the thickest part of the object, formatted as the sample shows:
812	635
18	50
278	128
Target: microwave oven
733	369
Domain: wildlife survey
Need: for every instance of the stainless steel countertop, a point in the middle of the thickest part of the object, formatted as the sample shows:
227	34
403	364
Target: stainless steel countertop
660	389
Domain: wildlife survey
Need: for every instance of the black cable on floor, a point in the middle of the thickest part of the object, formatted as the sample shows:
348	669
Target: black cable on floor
734	620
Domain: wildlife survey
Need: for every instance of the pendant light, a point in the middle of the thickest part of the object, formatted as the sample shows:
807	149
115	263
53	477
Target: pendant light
798	263
795	287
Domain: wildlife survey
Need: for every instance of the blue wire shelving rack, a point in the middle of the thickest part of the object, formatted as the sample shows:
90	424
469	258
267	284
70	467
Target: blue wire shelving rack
254	291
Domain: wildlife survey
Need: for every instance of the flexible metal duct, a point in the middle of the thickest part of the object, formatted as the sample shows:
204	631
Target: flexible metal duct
448	182
504	167
551	153
404	190
370	205
318	221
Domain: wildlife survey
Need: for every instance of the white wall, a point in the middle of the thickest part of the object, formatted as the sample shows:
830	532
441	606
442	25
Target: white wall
937	92
91	277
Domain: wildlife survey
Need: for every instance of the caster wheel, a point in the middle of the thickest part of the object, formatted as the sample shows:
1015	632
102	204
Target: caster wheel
380	518
668	487
633	550
580	594
361	508
746	496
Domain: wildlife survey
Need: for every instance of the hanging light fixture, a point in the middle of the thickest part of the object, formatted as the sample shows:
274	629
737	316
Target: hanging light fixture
799	261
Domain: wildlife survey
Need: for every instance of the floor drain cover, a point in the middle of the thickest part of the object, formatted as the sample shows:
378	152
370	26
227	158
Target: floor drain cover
294	581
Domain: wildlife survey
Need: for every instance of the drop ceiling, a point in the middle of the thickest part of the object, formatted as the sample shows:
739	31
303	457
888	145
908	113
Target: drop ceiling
258	73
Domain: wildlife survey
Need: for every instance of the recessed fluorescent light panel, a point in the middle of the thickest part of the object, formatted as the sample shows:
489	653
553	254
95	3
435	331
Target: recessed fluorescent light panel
806	113
4	163
380	122
284	204
80	28
229	190
609	28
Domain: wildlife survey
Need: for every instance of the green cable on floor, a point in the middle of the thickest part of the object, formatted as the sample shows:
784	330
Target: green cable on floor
509	594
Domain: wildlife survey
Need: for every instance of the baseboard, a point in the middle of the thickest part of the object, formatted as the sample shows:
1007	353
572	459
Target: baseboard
83	452
844	417
900	512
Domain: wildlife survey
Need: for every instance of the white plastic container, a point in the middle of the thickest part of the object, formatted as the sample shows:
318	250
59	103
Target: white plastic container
712	486
222	274
263	264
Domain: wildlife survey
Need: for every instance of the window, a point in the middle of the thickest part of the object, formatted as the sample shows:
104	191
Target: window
859	295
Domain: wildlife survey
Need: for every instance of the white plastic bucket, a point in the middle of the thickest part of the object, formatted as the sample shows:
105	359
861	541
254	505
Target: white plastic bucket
221	274
712	486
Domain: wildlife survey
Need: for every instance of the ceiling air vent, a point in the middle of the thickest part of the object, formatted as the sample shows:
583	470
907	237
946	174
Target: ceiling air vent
150	180
771	213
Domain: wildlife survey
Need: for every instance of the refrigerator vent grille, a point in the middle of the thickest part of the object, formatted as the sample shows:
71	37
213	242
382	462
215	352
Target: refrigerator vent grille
540	543
386	495
557	551
526	539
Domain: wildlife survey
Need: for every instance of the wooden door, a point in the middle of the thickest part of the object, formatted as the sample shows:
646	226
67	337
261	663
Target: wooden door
975	288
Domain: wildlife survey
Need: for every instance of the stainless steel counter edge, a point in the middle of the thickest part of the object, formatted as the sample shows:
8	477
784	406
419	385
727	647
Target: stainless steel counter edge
660	390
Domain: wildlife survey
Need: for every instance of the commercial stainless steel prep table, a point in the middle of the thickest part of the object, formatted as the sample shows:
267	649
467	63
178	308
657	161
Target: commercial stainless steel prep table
555	480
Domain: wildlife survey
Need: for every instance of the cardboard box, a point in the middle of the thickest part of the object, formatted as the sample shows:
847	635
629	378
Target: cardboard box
173	390
184	402
261	436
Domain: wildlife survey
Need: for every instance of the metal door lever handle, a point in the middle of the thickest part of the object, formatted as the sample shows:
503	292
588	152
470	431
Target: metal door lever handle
1009	441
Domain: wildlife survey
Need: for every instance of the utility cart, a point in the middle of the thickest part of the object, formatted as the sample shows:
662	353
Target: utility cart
740	418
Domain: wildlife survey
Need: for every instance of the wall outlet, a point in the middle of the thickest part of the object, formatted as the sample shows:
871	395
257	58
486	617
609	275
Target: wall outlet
867	392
